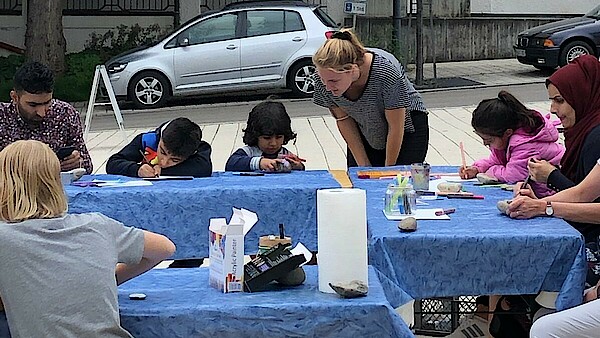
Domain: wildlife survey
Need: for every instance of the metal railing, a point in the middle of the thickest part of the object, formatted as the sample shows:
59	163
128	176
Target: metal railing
11	7
121	7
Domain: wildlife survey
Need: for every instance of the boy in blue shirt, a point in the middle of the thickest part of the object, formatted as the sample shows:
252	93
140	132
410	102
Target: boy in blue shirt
175	148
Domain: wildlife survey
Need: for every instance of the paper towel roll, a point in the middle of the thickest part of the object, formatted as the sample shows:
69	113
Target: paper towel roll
342	237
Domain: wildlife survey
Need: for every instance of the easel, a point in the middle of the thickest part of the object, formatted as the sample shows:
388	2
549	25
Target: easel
101	71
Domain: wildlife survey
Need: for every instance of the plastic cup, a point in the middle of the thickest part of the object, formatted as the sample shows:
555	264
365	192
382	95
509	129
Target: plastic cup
420	175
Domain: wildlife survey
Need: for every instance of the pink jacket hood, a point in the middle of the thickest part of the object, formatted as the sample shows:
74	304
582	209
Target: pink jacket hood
510	166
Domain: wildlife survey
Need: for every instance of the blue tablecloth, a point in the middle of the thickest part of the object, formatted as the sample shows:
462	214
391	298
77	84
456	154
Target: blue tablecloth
181	209
478	251
180	303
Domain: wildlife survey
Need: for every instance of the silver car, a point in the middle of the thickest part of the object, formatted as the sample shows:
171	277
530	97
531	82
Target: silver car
245	46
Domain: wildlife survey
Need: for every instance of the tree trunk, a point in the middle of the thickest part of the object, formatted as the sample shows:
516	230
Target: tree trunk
44	39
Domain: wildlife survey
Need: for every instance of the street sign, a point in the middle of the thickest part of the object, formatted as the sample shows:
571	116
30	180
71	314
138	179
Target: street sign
355	7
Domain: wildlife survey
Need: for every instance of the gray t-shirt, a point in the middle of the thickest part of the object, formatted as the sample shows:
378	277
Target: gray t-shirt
387	88
57	276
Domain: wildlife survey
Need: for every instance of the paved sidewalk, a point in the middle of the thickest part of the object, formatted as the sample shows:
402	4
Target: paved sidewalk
320	142
487	72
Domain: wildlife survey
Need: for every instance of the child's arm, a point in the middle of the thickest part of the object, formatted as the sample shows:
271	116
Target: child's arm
240	161
126	162
197	165
515	169
485	163
156	248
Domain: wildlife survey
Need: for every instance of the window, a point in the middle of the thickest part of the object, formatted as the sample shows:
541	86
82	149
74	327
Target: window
272	22
211	30
11	7
293	22
265	22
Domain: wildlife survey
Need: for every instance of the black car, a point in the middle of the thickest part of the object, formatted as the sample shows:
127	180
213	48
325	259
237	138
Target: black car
557	43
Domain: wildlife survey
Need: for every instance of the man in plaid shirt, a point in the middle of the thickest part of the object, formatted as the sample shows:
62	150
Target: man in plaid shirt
34	115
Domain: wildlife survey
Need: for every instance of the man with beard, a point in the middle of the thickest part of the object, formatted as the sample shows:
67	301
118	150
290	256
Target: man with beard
33	114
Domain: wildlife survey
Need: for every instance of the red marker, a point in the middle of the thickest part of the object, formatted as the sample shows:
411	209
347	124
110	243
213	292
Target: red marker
445	212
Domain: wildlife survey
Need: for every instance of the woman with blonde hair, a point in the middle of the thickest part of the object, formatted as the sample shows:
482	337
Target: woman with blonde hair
59	272
378	111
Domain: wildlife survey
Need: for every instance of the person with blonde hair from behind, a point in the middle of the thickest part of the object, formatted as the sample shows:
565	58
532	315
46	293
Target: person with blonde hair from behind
378	111
59	272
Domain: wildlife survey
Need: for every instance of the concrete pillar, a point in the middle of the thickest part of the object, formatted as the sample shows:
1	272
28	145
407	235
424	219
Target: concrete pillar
188	9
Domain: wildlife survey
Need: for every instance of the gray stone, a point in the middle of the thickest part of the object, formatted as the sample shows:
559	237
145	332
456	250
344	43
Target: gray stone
449	187
353	289
503	206
408	224
487	179
293	278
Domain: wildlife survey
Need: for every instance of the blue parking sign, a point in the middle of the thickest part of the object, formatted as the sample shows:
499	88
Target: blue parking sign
348	6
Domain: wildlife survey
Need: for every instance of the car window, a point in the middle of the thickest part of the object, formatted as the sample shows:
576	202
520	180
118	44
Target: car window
210	30
293	21
264	22
325	19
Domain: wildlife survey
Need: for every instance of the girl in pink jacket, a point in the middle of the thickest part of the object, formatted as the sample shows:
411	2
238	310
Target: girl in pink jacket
514	135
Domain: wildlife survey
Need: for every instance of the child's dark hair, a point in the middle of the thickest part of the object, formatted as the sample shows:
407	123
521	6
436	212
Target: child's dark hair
182	137
34	77
494	116
268	118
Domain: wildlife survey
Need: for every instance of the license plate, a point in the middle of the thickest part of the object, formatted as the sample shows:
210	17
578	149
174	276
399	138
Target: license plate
520	52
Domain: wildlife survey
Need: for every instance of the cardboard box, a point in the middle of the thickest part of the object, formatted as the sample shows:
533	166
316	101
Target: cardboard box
226	250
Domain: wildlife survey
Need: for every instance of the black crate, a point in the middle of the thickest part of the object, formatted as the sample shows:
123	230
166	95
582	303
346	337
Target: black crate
441	316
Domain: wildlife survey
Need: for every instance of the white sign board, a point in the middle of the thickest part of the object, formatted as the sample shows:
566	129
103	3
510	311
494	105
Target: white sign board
355	7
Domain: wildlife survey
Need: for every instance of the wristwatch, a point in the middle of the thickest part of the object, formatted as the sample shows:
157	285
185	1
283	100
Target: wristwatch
549	209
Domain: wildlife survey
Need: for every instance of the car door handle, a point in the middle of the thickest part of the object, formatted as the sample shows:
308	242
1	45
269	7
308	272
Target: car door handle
231	47
297	39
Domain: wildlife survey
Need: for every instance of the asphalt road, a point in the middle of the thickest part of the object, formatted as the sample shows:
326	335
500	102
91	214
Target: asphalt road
235	108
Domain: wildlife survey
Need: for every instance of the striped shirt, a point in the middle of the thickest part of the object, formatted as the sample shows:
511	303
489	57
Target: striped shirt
387	88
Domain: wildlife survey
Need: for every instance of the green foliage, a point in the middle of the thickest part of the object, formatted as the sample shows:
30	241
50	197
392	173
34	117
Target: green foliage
8	67
76	83
125	38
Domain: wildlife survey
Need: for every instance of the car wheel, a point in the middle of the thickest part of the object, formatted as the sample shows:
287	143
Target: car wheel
300	79
149	90
573	50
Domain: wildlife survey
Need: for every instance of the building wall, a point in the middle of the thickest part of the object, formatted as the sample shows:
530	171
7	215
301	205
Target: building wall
532	6
77	29
455	38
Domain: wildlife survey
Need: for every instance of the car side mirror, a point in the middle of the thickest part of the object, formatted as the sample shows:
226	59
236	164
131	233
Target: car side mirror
184	42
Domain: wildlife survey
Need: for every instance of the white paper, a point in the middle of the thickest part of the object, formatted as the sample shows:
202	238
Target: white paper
419	214
342	237
245	217
118	183
456	179
300	249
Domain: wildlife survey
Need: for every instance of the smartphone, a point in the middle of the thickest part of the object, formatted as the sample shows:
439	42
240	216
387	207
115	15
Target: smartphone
64	152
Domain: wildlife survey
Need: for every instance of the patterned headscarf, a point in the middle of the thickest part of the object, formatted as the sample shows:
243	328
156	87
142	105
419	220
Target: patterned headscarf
579	84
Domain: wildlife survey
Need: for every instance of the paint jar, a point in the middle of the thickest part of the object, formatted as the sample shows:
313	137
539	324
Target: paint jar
420	175
400	200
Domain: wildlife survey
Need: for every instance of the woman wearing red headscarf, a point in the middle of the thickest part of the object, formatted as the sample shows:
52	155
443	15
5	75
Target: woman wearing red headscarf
574	91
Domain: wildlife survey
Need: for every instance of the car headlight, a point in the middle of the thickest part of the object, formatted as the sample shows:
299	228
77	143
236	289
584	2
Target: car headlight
116	67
